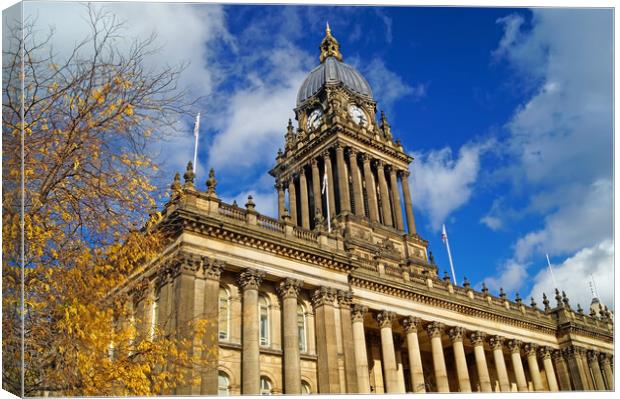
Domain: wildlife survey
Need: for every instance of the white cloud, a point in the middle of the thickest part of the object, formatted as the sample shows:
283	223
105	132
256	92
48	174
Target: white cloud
573	276
561	138
441	183
512	276
388	86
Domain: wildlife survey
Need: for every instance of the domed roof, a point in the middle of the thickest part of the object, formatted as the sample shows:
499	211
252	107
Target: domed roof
332	70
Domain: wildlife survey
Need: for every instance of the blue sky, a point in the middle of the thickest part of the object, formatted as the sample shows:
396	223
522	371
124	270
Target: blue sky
508	113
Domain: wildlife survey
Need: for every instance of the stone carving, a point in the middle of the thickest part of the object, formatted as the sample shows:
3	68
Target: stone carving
211	269
250	279
544	352
456	334
358	312
514	345
434	329
496	342
385	318
477	338
530	349
411	323
323	296
344	298
289	288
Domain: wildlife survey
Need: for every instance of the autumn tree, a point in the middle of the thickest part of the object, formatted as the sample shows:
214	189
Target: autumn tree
77	131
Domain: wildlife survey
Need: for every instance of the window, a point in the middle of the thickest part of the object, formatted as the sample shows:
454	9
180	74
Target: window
265	386
263	311
223	384
301	327
224	314
305	388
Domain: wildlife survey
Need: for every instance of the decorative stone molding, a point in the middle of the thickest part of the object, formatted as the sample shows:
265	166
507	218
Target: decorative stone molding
250	279
434	329
496	342
344	298
323	296
557	355
456	334
514	345
592	356
477	338
289	288
385	319
211	268
604	358
544	352
358	312
411	324
530	349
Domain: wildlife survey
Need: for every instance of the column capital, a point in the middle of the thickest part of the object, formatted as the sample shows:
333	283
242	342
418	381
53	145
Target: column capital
314	162
365	157
323	296
496	342
358	312
211	268
385	318
530	349
514	345
603	357
557	355
344	298
544	352
434	329
592	355
411	324
352	151
325	154
456	334
250	279
477	338
404	173
379	163
289	288
339	147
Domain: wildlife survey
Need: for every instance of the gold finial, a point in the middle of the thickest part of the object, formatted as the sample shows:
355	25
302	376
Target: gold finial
330	46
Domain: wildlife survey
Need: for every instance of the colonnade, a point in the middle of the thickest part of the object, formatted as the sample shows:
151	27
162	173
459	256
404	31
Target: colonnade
359	184
341	332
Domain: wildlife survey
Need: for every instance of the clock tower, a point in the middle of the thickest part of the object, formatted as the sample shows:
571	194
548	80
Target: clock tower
340	144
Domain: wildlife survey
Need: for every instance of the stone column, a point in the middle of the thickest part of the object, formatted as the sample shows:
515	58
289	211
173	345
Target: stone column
281	199
456	336
250	280
396	208
350	367
532	362
576	368
596	370
316	189
184	302
390	368
434	330
358	198
385	195
545	354
400	372
589	383
562	368
292	200
404	179
371	193
211	271
343	183
331	193
477	340
605	363
289	290
517	365
496	344
410	325
359	342
303	202
327	349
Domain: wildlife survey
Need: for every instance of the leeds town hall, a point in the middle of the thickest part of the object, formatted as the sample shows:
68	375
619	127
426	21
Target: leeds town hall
339	293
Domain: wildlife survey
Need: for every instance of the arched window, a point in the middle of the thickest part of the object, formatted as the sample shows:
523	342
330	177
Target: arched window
301	327
263	312
305	388
224	314
265	386
223	384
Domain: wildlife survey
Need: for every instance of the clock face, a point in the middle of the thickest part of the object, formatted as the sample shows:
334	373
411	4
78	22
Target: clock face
358	115
314	119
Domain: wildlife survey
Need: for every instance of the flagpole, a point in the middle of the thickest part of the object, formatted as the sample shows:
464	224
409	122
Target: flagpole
551	271
196	133
326	192
445	237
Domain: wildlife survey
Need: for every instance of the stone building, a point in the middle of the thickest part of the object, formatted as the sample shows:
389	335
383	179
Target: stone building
352	304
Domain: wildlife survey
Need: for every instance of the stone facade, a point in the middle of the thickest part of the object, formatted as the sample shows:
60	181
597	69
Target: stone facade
353	304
